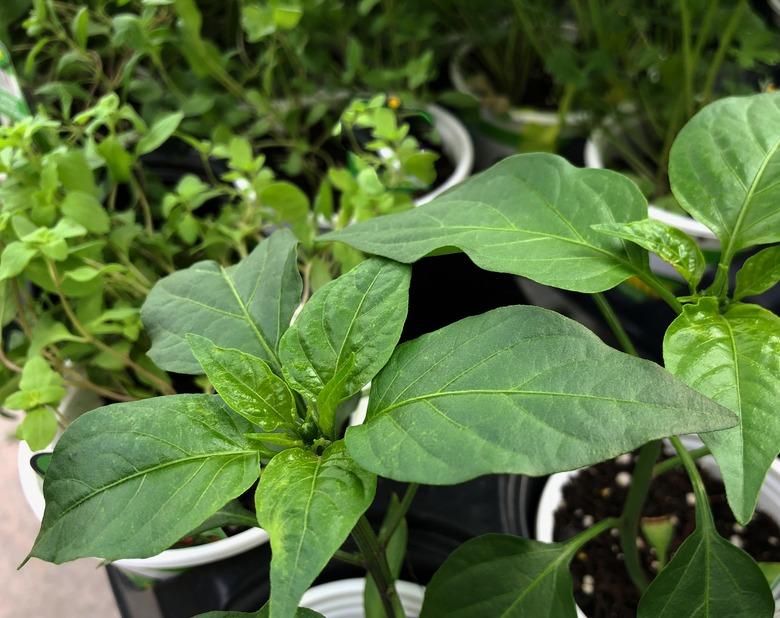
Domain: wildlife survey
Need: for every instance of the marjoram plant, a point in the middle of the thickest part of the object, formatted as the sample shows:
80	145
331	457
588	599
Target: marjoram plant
518	390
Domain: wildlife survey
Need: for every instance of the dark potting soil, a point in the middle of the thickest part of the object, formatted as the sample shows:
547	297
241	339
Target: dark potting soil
599	491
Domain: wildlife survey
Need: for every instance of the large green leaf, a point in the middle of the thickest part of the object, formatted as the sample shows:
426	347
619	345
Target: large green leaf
503	575
130	479
247	384
361	313
517	390
308	504
530	215
734	358
247	306
708	577
724	168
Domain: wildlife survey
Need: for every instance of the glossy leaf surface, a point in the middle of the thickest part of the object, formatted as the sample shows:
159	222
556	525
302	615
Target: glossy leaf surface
517	390
529	215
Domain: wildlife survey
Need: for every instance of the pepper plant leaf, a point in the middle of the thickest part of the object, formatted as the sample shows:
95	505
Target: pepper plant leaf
503	575
246	306
130	479
308	504
302	612
708	577
360	314
670	244
518	390
724	170
734	358
529	215
759	273
247	384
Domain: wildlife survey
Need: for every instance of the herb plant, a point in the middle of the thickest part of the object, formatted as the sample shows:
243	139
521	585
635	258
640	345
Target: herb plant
586	231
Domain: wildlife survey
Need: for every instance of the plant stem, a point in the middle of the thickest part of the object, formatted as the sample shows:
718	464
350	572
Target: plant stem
632	511
349	558
723	46
398	515
376	564
703	513
673	462
614	323
662	291
591	533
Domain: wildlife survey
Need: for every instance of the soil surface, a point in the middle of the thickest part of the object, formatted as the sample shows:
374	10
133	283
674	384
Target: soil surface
602	587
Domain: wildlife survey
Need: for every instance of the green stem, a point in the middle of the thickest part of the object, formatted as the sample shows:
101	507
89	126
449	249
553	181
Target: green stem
723	46
577	542
673	462
703	513
349	558
632	511
662	291
376	564
398	514
685	19
614	323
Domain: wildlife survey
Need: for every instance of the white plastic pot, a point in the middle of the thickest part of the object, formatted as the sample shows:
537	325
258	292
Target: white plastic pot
516	119
552	496
161	566
344	598
457	146
595	157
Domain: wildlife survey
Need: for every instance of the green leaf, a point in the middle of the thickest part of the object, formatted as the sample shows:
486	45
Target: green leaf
708	577
74	172
332	394
247	306
659	532
771	571
517	390
734	358
15	258
670	244
724	169
159	133
529	215
130	479
85	209
118	160
232	514
79	26
759	273
503	575
39	385
308	504
38	428
287	17
292	206
361	313
247	384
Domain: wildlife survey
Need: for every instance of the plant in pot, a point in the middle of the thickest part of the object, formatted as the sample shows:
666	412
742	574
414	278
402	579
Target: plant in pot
156	468
519	389
658	65
586	231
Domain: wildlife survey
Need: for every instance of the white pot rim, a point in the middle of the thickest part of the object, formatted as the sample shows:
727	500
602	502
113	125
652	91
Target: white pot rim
552	493
344	597
594	158
170	559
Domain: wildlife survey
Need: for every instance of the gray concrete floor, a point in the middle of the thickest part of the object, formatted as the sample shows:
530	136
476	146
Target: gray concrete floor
75	590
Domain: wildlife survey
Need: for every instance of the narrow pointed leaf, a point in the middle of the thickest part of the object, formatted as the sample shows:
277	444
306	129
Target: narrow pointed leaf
308	504
724	169
247	306
759	273
130	479
529	215
332	394
361	313
708	577
517	390
670	244
247	384
502	575
734	358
